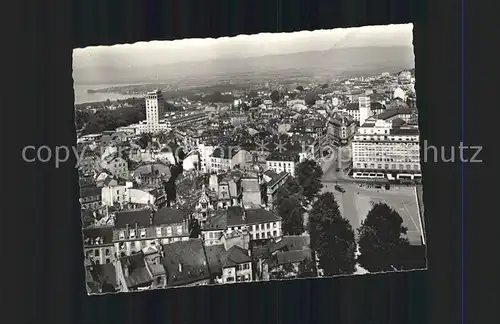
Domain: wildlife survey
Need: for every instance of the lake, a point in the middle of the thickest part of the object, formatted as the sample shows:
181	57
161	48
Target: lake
81	95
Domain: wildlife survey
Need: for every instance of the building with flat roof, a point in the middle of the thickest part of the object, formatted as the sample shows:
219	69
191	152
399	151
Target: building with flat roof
386	150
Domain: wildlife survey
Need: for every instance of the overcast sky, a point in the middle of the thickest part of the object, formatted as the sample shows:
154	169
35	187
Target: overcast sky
165	52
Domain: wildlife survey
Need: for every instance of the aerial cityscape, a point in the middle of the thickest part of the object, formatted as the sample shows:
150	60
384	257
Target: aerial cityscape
252	158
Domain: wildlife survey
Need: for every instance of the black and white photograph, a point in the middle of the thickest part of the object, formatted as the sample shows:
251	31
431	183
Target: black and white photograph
274	156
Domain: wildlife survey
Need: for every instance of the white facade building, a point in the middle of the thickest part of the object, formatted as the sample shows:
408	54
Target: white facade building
381	150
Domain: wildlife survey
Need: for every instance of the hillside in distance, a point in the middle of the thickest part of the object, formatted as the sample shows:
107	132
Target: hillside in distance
334	63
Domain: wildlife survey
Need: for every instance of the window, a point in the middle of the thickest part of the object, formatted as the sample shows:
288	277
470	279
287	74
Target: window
107	252
132	234
158	231
108	260
268	226
275	233
122	235
169	231
230	279
179	229
275	225
97	252
143	233
258	236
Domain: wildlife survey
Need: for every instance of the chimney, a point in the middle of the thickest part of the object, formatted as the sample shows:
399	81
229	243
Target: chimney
180	267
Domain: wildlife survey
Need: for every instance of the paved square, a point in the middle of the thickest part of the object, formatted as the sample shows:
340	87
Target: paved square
355	203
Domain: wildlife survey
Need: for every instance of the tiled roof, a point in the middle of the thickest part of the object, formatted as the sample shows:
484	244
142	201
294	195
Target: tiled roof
169	215
138	274
260	215
214	253
90	192
94	232
216	222
131	217
191	258
394	112
102	274
405	131
286	243
234	256
277	178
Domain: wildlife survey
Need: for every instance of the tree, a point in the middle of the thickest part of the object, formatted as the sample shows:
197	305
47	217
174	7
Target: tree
310	98
292	214
309	174
381	244
324	86
332	237
290	189
275	96
307	269
300	88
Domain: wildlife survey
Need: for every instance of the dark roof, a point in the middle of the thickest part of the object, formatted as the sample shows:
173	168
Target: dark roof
394	112
90	191
104	232
260	215
169	215
131	217
190	255
271	174
234	256
352	106
214	253
138	274
287	156
216	222
102	275
277	178
397	122
224	152
234	216
405	131
285	243
376	106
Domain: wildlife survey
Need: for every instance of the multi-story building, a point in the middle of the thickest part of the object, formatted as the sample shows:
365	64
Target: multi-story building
90	197
282	162
98	244
226	158
260	223
174	120
381	149
135	230
273	182
155	108
116	165
236	265
341	130
227	189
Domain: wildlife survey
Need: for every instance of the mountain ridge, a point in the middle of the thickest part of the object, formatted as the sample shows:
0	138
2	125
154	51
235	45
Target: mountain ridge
311	62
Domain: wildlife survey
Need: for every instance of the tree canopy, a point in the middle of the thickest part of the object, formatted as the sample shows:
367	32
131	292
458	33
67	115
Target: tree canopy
275	96
300	88
310	98
382	245
309	174
332	237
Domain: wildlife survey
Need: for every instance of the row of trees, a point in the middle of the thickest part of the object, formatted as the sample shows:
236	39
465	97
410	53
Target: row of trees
107	120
